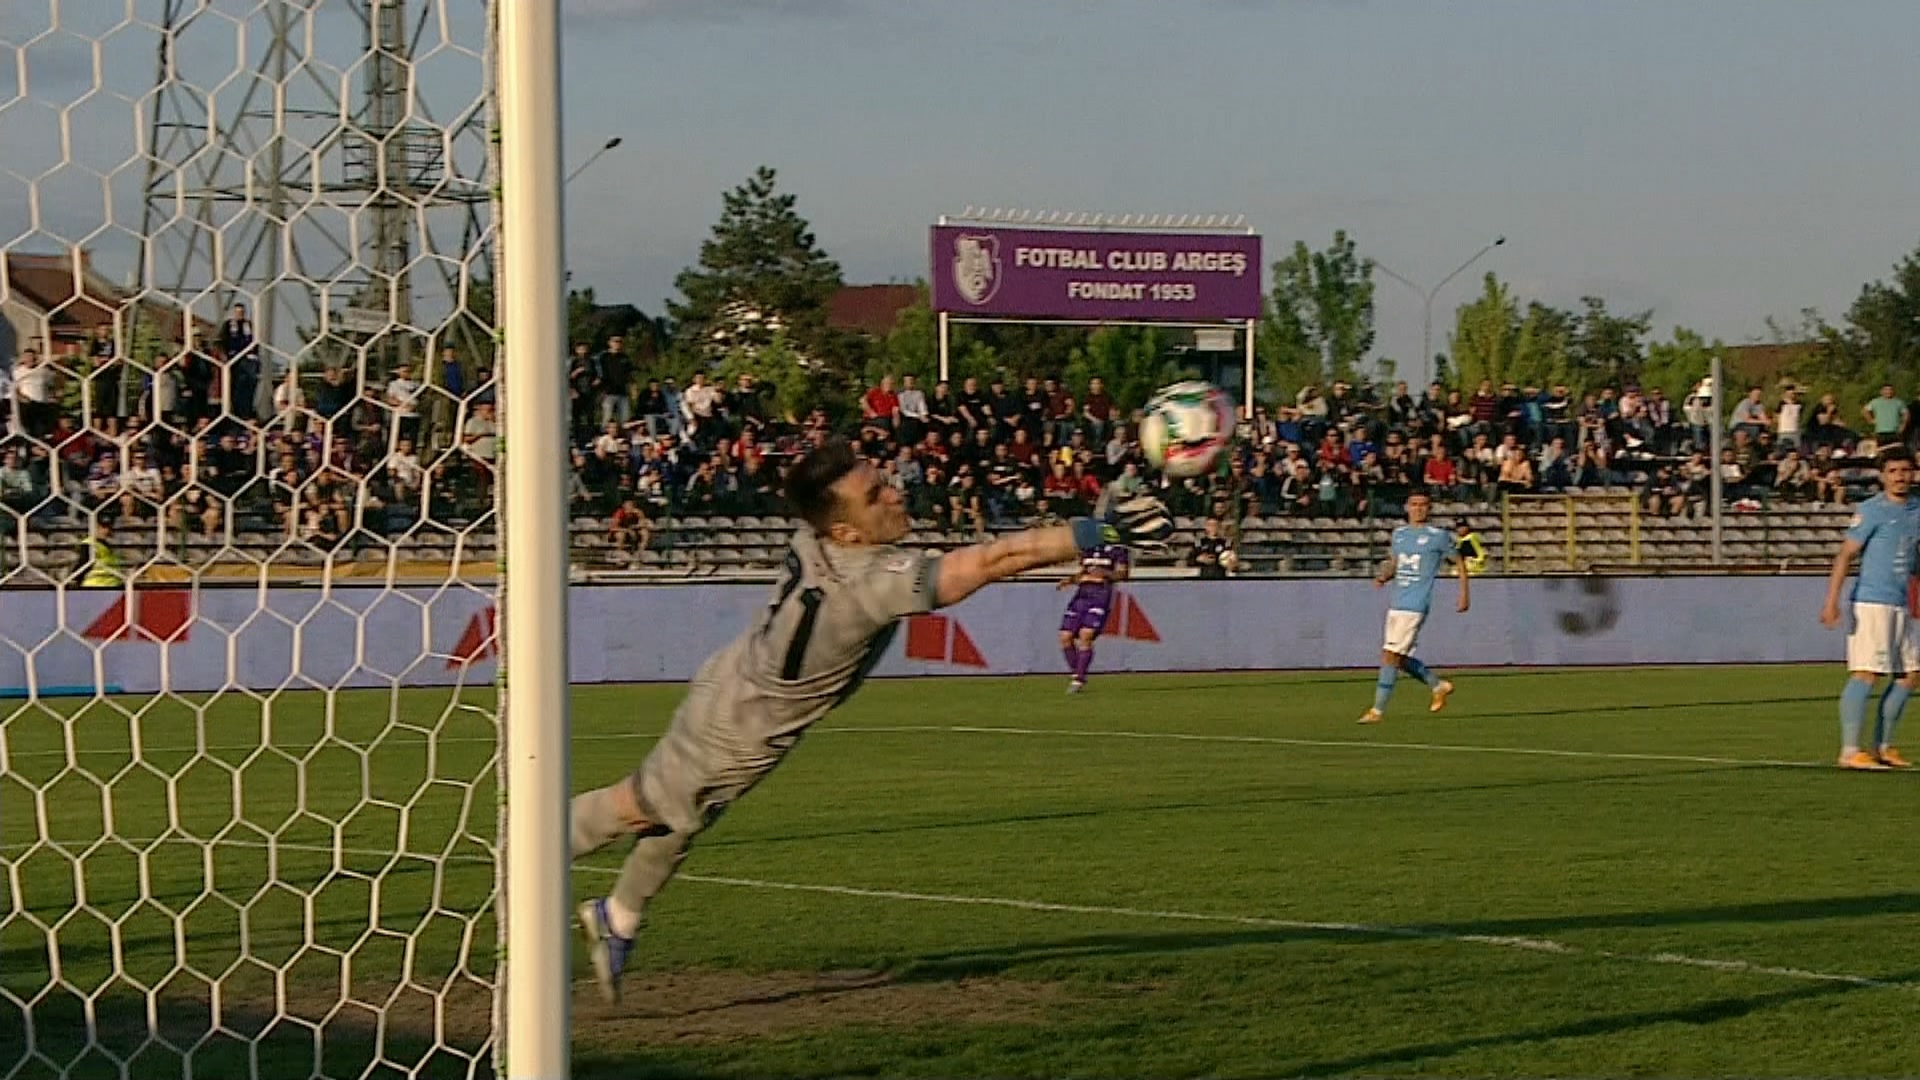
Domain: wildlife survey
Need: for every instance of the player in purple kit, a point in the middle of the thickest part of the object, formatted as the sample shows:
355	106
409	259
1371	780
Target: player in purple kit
1100	568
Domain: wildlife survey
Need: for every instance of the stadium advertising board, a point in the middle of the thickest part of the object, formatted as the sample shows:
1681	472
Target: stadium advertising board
190	641
993	272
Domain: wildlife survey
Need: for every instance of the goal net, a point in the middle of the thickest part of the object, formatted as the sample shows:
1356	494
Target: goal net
248	451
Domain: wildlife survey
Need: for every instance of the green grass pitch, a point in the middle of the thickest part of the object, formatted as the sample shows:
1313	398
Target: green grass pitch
1645	871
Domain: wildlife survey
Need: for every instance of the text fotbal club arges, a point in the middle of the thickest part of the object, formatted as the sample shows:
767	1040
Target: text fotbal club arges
1225	263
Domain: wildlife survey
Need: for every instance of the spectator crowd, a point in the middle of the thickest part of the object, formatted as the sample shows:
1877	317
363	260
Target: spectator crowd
972	456
197	444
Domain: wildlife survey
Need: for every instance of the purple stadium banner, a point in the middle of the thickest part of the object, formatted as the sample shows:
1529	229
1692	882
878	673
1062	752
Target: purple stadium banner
1066	274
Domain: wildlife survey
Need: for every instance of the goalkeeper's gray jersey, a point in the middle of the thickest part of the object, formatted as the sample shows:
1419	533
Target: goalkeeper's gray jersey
827	624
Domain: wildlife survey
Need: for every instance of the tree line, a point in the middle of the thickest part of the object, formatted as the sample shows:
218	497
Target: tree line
757	300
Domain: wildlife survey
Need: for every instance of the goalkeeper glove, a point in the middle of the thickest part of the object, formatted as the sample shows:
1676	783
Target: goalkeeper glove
1139	522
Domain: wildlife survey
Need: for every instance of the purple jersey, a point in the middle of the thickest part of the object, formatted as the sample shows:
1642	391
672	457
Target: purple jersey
1092	599
1101	565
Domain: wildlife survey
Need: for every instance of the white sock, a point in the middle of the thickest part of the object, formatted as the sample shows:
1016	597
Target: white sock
621	919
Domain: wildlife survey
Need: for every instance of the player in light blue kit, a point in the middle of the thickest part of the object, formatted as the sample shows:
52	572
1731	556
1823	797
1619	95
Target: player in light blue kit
1884	533
1420	551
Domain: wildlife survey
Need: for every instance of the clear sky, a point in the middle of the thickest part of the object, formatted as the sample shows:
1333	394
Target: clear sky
1717	161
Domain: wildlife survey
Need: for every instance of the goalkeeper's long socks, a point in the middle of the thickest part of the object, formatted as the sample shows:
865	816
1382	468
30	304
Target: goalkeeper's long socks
1853	713
1421	671
1072	654
1383	689
1892	703
596	820
1083	663
649	866
621	919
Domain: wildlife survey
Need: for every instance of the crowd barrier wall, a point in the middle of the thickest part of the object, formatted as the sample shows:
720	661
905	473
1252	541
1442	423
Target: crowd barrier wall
198	641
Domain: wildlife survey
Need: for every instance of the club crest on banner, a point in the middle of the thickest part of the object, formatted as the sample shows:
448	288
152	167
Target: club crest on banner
976	267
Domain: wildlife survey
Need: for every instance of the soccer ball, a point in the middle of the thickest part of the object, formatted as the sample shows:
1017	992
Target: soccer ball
1185	427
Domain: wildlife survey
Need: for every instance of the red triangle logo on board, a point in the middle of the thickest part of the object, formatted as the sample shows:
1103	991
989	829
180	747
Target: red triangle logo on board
158	616
963	651
1139	627
1129	620
479	642
940	639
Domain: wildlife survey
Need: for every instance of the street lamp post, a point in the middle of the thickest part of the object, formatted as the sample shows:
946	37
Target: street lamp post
604	147
1426	324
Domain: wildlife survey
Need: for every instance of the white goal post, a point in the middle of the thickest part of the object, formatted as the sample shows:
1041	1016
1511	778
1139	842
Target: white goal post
281	309
536	860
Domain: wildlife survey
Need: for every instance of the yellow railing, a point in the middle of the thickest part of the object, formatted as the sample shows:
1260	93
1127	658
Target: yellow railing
1572	516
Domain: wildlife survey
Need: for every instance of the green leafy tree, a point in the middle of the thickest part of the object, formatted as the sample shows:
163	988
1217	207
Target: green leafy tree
1605	348
1677	364
912	347
1542	351
761	275
1877	342
1485	335
1284	350
1134	361
1028	349
1318	322
793	388
1498	340
1885	324
1824	358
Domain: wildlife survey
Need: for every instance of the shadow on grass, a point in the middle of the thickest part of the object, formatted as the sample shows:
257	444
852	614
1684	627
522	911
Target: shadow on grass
1703	1013
1777	911
973	963
403	1037
1224	803
180	1032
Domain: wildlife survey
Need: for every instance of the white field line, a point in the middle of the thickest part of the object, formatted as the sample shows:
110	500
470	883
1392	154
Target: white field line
970	729
1524	944
1366	744
1543	946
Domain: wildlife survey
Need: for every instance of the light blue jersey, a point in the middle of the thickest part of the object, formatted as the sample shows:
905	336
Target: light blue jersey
1887	532
1419	551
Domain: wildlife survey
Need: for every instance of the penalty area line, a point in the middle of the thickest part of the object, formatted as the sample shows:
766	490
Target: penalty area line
1405	933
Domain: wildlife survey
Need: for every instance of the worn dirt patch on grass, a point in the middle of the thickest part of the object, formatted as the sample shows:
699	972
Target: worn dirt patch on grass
721	1006
447	1033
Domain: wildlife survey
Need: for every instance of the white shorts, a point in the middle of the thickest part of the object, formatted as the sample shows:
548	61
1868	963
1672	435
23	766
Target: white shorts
1883	640
1403	631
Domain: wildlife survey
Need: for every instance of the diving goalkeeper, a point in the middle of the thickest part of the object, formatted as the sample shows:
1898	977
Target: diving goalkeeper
845	588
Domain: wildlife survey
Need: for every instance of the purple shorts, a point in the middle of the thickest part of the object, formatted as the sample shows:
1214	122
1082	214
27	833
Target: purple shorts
1084	614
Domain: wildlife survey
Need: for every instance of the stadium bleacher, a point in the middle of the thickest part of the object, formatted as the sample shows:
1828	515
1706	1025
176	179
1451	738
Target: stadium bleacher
338	485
